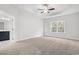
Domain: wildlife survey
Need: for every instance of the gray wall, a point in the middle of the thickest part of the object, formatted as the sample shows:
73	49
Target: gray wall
71	26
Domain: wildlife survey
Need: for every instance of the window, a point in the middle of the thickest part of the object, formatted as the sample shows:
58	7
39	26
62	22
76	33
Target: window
57	26
61	26
53	27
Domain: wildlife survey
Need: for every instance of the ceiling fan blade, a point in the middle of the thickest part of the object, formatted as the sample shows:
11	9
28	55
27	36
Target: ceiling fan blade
40	9
42	12
51	9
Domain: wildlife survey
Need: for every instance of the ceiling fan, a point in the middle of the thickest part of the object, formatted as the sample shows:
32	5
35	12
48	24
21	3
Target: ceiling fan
46	8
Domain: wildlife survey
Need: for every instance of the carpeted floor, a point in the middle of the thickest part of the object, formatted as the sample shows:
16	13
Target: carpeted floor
42	46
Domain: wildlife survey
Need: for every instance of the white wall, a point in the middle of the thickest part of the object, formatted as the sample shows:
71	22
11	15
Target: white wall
26	24
71	26
30	25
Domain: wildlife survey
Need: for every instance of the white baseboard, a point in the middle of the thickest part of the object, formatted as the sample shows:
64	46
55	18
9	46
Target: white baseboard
26	38
65	37
31	37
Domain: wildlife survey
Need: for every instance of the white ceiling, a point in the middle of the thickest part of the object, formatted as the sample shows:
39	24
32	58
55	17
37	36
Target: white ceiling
60	9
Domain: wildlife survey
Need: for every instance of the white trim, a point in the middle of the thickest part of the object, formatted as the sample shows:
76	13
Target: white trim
26	38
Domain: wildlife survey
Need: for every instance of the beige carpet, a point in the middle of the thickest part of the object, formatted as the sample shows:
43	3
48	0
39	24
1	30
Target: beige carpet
42	46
